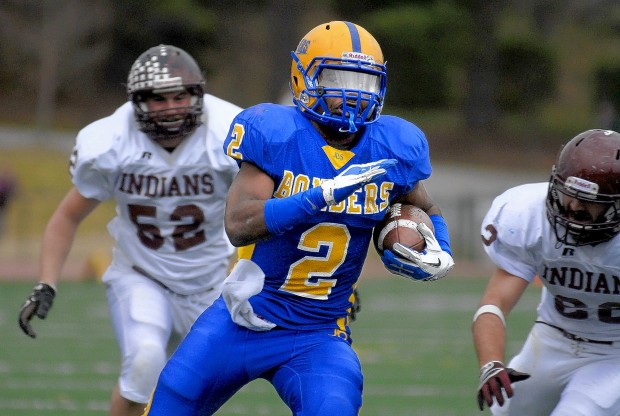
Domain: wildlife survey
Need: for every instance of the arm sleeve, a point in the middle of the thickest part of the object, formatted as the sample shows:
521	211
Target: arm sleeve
282	214
441	232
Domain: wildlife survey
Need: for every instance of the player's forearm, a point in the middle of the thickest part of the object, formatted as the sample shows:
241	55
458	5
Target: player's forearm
246	224
57	241
256	220
282	214
489	338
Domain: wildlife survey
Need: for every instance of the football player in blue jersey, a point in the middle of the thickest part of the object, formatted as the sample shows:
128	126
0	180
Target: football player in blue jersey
314	179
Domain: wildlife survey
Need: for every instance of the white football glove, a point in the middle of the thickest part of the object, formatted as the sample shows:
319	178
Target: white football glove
432	261
351	179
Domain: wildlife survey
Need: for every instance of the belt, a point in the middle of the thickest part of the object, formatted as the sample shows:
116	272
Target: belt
574	337
148	276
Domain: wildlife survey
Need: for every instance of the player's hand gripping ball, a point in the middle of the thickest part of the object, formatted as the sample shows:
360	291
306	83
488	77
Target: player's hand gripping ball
400	226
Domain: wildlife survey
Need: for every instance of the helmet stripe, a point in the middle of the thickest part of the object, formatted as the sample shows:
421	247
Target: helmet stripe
355	37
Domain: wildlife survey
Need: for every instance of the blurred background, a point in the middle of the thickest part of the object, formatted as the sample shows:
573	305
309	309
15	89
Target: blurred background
497	86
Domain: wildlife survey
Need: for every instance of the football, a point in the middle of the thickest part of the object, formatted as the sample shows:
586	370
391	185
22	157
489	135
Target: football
399	226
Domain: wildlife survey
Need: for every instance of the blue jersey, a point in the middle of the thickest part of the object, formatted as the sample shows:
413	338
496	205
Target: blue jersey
311	269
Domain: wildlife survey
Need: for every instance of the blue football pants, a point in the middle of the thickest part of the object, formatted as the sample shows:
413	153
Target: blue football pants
314	372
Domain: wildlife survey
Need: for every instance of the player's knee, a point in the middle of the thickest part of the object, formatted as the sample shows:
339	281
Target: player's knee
144	369
337	405
339	397
180	383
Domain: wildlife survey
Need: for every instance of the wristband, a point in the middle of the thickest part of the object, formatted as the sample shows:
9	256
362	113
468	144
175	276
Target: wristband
490	309
282	214
441	232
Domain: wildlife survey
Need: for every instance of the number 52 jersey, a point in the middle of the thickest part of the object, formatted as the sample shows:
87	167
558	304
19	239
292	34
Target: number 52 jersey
169	221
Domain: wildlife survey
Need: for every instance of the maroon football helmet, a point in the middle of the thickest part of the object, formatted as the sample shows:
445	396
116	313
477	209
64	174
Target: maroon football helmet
163	69
588	169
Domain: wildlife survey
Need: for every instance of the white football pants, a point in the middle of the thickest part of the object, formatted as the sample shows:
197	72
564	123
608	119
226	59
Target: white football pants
568	378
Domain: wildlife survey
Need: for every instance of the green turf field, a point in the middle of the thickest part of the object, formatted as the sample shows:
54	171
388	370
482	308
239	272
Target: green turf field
413	340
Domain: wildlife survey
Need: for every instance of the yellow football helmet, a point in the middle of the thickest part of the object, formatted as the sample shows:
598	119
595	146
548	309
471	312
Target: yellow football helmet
339	60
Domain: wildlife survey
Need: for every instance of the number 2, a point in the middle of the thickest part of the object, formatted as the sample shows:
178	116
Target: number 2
310	277
232	149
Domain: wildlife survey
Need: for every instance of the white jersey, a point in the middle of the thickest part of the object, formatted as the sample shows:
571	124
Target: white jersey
581	291
169	220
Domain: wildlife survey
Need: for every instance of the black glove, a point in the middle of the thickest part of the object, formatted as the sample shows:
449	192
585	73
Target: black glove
355	306
494	378
39	302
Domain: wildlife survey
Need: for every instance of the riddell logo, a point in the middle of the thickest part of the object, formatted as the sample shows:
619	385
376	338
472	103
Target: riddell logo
357	55
582	185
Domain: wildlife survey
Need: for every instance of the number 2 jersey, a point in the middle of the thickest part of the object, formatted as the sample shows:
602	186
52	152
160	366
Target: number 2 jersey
169	220
311	270
581	291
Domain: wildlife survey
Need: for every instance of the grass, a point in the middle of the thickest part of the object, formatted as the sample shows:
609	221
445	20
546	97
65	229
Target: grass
413	340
